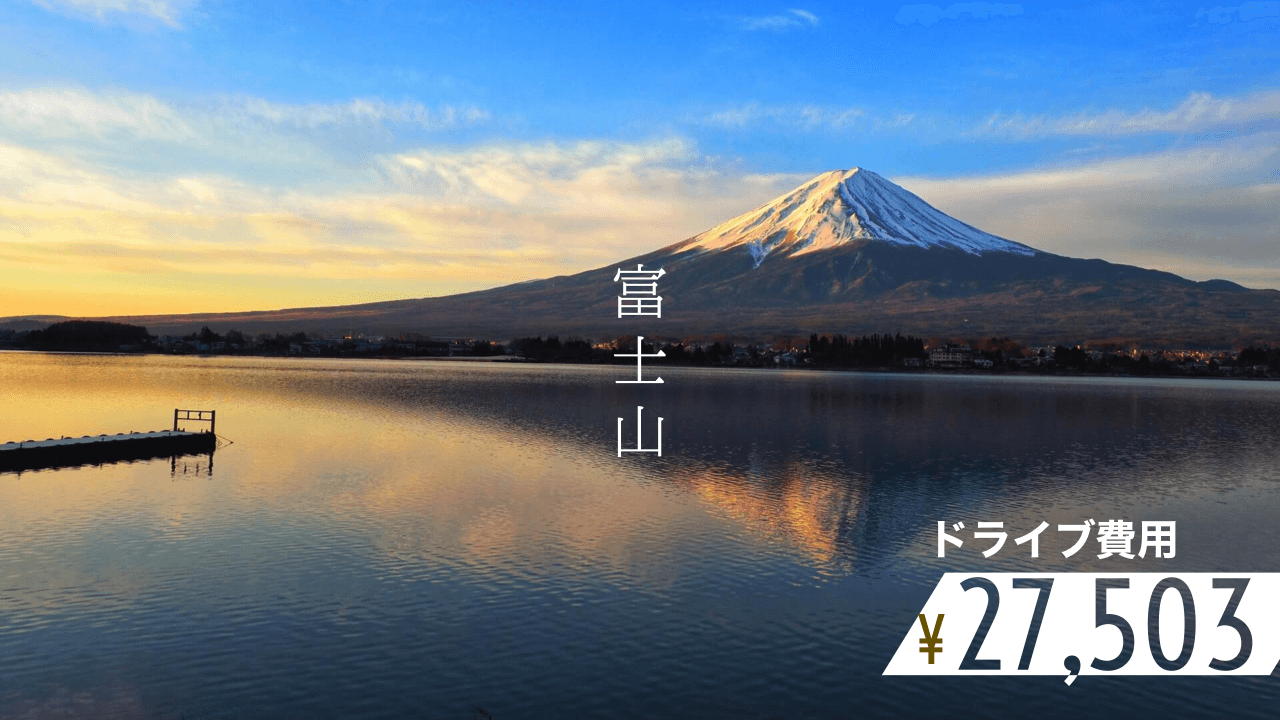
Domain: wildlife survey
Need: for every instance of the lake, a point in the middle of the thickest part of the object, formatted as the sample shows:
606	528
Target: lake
391	539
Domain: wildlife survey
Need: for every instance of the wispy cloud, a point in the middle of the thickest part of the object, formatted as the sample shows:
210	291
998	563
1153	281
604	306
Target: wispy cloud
373	111
790	20
1203	213
64	112
222	134
418	217
434	221
71	111
927	15
899	120
801	117
1245	12
168	12
1200	111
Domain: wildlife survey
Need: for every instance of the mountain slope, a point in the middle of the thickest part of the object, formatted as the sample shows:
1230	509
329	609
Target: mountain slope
846	252
844	206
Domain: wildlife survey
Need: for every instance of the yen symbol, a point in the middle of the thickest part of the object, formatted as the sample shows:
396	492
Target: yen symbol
932	641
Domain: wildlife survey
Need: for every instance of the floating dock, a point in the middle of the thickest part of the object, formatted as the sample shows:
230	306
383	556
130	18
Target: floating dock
99	449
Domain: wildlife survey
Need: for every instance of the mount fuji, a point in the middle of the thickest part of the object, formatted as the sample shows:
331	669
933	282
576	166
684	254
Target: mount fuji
848	252
841	207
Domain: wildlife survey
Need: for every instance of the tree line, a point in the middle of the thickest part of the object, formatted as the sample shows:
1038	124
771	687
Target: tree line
868	350
822	350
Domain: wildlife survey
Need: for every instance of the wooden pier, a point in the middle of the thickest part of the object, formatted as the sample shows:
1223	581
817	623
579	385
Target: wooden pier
99	449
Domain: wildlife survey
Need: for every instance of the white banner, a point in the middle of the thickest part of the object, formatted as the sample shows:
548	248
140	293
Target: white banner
1095	623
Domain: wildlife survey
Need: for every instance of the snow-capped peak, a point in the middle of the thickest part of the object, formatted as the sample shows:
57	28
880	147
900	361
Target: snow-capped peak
843	206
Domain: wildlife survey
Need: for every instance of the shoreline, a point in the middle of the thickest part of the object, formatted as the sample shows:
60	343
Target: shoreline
516	360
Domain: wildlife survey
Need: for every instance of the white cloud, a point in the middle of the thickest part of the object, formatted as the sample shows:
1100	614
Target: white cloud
595	202
437	219
805	117
1198	112
65	112
1247	11
71	112
168	12
805	15
441	220
899	120
372	111
793	18
140	130
1201	213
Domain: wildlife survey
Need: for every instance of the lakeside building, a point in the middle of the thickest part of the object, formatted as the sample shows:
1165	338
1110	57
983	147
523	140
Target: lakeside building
951	356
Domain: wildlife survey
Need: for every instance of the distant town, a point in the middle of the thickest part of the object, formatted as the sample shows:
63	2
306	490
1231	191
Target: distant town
817	351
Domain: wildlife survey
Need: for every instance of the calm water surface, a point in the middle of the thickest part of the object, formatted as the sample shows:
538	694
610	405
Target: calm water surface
422	539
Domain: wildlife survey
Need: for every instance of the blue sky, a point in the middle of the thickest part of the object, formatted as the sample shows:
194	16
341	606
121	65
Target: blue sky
167	155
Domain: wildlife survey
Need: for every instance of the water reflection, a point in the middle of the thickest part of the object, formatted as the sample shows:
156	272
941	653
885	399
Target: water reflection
191	465
378	523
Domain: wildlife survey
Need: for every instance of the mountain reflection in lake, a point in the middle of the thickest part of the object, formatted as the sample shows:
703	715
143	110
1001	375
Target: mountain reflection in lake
416	539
